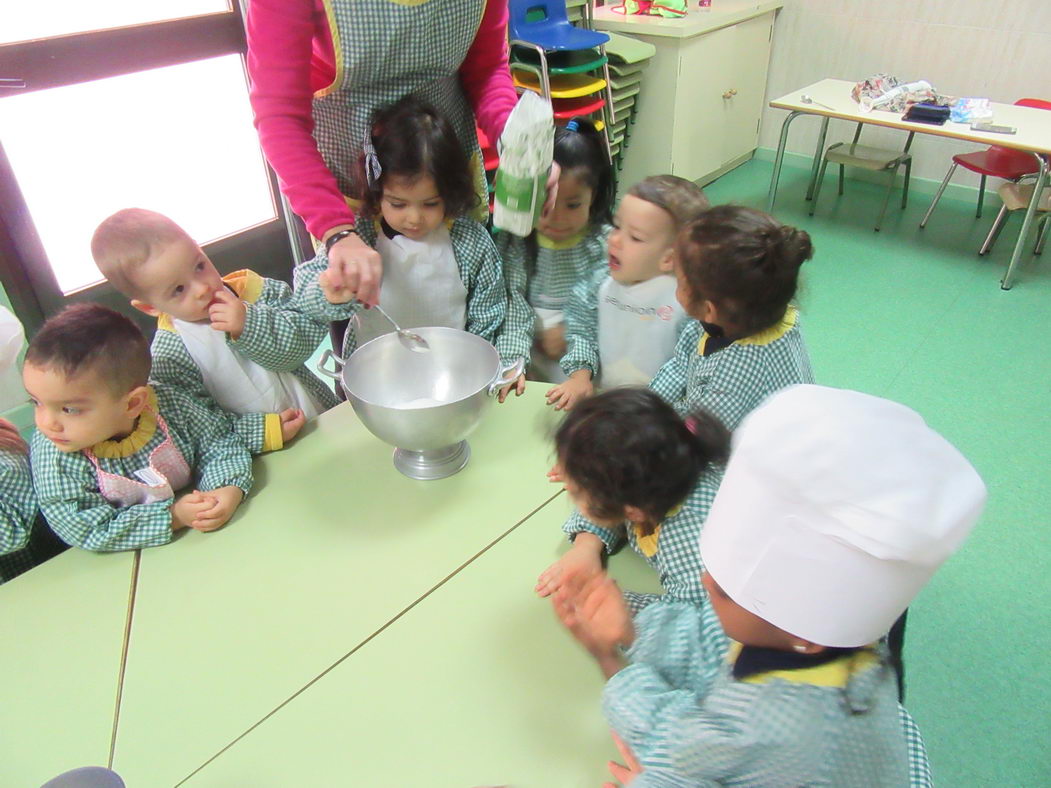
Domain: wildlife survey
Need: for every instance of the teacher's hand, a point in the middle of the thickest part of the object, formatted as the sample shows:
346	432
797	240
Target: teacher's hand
354	268
552	188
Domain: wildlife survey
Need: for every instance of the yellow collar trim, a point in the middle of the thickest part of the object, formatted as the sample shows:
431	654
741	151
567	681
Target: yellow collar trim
648	543
766	336
145	427
247	285
549	243
836	673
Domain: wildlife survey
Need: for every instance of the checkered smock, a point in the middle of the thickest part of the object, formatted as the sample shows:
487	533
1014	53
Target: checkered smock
276	336
18	506
545	282
672	550
731	382
689	722
68	490
480	272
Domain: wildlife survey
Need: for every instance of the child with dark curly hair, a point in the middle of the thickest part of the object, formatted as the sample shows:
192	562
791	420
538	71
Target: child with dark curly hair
636	470
440	267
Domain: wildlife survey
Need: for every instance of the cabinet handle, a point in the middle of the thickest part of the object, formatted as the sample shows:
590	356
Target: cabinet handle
730	93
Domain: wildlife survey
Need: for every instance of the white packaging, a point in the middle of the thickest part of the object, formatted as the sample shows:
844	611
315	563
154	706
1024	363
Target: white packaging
526	149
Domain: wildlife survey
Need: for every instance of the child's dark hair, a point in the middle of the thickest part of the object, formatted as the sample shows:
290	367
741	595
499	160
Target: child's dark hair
412	138
628	447
92	336
745	262
580	149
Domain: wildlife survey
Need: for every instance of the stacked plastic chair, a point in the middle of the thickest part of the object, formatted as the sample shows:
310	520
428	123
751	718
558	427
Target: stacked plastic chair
565	64
627	59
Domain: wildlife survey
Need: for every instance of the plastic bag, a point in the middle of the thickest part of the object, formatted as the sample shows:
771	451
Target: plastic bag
886	92
971	110
12	337
526	150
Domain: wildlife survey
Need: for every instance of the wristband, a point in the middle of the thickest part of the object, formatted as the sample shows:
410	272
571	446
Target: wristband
335	238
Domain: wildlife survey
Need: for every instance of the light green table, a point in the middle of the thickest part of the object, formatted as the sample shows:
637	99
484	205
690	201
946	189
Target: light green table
63	628
333	546
477	685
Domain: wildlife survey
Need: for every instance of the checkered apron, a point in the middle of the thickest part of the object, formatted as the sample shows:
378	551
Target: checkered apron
385	50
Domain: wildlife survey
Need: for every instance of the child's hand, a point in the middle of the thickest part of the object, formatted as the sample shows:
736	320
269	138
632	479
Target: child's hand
292	422
565	395
223	502
10	439
598	618
227	313
580	563
626	772
518	386
555	475
552	341
187	507
355	270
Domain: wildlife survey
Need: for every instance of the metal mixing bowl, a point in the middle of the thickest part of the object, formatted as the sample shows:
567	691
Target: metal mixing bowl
423	404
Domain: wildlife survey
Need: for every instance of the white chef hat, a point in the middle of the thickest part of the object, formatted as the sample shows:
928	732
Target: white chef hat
12	337
835	509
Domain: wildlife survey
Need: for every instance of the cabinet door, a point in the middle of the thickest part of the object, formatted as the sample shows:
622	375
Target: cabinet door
706	68
747	81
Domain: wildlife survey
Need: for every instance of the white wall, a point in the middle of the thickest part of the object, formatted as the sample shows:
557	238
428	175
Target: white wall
998	50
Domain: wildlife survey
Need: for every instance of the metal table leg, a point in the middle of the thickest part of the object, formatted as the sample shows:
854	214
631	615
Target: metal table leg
779	158
819	152
1038	188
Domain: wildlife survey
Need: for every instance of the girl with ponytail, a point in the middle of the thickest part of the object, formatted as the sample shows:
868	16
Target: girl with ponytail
737	271
637	471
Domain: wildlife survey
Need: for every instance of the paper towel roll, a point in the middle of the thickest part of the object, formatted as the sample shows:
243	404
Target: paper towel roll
12	337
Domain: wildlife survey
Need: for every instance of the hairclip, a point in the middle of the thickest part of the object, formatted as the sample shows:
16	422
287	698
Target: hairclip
691	424
373	169
573	125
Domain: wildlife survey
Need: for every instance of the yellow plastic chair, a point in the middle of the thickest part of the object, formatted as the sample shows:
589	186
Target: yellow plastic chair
1016	197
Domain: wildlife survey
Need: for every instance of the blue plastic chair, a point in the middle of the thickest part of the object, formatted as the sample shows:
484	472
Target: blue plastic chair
550	28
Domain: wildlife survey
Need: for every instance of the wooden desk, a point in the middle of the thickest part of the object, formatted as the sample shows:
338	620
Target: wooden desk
333	546
477	685
1034	136
63	626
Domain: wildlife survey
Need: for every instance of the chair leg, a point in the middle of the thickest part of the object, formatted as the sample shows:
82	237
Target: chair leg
905	188
841	168
817	185
938	195
1042	238
994	231
886	197
981	198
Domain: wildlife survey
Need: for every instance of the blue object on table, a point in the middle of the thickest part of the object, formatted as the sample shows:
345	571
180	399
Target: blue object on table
86	777
544	23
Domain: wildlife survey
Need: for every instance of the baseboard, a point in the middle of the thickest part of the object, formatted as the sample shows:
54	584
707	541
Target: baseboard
916	185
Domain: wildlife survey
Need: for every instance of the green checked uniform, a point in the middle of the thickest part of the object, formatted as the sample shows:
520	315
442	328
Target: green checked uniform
544	281
731	382
276	336
476	259
690	722
68	490
672	549
25	539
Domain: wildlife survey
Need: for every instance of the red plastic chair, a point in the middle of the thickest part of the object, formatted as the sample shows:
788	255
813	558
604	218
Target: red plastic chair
998	162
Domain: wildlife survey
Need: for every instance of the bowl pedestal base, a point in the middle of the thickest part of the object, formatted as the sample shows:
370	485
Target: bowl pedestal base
433	464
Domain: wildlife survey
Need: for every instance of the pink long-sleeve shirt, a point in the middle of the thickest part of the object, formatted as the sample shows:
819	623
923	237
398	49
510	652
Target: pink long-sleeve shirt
291	56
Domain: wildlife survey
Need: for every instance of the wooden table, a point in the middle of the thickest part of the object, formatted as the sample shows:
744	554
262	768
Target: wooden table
1033	136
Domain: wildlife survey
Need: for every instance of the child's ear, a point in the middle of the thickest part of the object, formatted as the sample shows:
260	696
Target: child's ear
667	261
135	400
145	308
635	514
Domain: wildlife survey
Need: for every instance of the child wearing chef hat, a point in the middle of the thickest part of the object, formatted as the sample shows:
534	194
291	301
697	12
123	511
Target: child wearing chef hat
237	341
25	539
836	508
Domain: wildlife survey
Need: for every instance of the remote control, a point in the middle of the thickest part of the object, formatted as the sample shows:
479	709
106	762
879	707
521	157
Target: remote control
993	128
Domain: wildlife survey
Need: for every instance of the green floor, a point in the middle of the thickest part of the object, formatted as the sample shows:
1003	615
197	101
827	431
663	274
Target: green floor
916	316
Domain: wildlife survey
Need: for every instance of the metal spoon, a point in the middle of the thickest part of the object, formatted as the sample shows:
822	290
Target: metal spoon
409	339
807	100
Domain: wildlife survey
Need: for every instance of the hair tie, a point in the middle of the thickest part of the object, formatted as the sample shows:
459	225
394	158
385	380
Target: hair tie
573	125
691	424
373	169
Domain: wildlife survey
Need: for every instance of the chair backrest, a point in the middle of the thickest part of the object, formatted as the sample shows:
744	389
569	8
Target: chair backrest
524	13
1034	103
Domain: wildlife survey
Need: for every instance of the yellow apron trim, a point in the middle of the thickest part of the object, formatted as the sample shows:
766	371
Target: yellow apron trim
164	322
547	243
272	438
764	337
831	674
145	427
648	543
337	52
248	285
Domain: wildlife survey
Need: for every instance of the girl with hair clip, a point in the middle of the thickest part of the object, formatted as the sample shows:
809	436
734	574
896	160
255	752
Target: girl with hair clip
636	470
737	271
440	268
568	246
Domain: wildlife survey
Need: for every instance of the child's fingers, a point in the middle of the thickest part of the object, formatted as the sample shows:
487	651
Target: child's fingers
620	772
625	752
